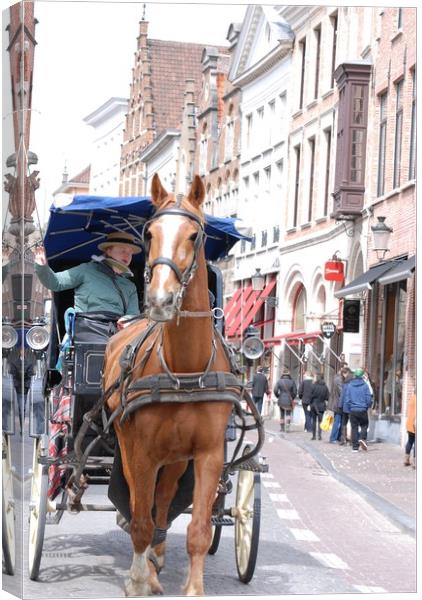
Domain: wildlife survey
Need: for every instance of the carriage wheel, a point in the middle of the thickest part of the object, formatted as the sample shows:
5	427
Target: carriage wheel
247	523
37	511
8	509
216	536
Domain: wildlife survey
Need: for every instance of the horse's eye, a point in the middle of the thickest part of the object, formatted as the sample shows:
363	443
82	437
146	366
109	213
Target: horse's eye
193	237
147	236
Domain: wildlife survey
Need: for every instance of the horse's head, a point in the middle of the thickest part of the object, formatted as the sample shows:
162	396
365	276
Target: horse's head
172	238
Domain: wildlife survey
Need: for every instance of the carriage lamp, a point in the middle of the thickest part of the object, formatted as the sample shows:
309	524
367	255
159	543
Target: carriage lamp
381	234
258	281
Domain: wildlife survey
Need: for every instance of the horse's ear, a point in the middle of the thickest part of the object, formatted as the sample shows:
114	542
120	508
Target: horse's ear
197	192
158	193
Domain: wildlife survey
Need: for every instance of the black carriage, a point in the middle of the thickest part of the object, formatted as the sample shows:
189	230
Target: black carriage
77	447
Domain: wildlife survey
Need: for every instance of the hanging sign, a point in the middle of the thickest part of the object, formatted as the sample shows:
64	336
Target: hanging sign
334	270
351	316
328	329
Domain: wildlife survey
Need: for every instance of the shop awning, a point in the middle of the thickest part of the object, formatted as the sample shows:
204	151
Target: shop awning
365	281
402	270
247	305
294	338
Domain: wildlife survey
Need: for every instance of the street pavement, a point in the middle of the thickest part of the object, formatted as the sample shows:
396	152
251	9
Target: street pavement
378	474
332	522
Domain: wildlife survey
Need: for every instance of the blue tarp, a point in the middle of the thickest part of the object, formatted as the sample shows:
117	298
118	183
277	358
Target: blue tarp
75	230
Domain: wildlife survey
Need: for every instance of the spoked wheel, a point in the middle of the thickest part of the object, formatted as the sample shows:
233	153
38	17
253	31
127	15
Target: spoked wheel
37	510
8	509
216	537
247	522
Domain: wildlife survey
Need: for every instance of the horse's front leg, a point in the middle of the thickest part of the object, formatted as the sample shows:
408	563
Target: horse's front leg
165	492
141	529
207	475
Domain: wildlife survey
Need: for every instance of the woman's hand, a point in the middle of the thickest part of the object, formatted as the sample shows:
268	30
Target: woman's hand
39	255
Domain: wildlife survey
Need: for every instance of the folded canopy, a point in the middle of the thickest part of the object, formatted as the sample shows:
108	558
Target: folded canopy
75	230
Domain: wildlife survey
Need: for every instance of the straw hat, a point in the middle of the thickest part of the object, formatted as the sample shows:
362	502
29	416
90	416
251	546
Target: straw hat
119	238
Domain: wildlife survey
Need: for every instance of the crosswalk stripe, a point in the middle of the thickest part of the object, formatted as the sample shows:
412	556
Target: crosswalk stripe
271	484
267	476
330	560
289	514
279	497
305	535
370	589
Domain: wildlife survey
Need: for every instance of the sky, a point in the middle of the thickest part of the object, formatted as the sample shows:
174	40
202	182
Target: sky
84	56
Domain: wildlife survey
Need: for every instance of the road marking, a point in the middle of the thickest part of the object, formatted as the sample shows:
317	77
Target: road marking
330	560
290	514
305	535
279	497
267	476
370	589
271	484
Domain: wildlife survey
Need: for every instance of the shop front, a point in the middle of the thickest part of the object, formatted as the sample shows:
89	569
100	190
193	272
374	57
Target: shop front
390	342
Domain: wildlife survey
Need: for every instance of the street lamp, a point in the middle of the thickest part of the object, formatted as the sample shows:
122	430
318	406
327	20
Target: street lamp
381	238
258	281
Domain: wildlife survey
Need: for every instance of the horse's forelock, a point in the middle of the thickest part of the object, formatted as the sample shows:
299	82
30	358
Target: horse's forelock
175	202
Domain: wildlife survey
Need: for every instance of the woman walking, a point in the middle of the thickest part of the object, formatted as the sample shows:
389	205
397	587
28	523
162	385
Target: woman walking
319	399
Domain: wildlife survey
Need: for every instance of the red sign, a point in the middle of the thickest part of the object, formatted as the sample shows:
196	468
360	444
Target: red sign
334	270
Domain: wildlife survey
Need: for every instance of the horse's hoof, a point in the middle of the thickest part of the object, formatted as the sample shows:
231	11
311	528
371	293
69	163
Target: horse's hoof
136	588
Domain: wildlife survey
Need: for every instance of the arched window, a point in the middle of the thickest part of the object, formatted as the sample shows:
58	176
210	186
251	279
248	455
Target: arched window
299	310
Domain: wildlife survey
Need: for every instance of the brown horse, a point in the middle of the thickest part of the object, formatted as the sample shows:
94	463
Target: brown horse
170	434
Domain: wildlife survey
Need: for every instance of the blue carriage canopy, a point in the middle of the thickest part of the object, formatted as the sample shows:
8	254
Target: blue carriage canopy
75	230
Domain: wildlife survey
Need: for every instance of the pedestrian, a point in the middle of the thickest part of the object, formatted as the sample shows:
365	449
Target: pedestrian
101	285
319	399
21	368
304	393
259	388
411	432
357	401
285	391
347	378
334	405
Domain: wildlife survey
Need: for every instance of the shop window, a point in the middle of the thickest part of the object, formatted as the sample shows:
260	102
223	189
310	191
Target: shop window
389	350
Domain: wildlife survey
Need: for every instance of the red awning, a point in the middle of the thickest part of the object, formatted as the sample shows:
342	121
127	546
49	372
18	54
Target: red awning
247	309
294	337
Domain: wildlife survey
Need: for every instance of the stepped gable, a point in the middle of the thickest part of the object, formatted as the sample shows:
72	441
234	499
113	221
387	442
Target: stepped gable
172	63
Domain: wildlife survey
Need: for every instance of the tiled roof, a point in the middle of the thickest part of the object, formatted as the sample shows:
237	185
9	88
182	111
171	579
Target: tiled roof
171	64
83	176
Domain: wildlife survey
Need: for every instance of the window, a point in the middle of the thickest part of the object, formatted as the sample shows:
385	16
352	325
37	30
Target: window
228	146
260	125
302	46
398	134
317	32
264	238
334	25
299	310
276	234
399	18
271	121
253	242
311	176
296	200
412	150
256	184
327	133
267	173
249	123
203	151
357	135
382	145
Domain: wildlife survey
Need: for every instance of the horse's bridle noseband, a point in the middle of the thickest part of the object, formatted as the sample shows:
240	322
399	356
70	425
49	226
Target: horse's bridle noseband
183	277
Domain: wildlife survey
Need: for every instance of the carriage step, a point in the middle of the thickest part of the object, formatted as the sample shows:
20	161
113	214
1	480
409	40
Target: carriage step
222	521
252	465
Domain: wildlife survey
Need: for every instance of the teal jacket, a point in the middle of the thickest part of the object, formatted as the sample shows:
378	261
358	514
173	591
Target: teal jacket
94	289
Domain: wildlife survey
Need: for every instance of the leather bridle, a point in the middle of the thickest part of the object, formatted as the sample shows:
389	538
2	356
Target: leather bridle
184	277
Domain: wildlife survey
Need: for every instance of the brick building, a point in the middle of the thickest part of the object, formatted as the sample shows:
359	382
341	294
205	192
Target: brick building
156	101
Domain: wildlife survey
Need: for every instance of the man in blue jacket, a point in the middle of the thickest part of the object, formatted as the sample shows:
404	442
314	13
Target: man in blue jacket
357	401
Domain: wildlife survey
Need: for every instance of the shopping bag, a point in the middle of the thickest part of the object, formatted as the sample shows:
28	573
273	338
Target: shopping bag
327	421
